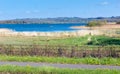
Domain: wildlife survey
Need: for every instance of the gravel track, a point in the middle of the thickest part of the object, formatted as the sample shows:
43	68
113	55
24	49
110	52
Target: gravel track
72	66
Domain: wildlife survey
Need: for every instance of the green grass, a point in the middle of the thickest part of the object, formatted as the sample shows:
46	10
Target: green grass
42	40
68	41
21	40
63	60
50	70
95	40
104	40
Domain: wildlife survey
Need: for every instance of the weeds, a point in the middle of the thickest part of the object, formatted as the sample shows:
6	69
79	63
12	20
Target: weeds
50	70
63	60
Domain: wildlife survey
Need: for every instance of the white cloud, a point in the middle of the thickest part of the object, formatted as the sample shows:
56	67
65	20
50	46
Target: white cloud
104	3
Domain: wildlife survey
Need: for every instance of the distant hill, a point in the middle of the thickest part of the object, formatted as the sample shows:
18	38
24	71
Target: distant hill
59	20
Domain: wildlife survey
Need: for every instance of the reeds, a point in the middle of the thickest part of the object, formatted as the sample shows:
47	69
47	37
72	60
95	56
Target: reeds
61	51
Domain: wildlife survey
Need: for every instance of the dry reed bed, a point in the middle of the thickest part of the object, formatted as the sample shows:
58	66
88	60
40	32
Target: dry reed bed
106	32
61	51
6	32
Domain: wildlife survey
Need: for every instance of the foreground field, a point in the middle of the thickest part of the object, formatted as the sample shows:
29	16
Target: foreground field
94	46
63	60
94	50
50	70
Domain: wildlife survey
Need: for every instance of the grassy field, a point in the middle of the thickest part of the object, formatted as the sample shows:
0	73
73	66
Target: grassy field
63	60
43	40
89	41
86	40
104	40
95	46
50	70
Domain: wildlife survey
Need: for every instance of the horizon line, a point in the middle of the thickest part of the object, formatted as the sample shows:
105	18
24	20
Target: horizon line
58	17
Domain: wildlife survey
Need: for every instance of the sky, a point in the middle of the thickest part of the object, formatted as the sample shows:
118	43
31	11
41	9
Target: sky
15	9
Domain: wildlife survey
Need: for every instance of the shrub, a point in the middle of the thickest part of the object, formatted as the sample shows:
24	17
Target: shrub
96	23
118	22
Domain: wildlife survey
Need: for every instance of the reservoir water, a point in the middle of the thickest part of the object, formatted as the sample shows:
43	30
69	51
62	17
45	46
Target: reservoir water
40	27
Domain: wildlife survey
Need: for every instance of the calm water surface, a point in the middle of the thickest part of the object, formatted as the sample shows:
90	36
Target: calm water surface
40	27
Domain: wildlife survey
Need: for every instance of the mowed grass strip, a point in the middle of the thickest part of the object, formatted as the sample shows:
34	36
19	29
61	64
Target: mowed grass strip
8	69
63	60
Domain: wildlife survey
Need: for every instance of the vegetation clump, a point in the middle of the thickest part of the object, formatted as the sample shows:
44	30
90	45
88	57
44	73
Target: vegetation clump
96	23
63	60
118	22
104	41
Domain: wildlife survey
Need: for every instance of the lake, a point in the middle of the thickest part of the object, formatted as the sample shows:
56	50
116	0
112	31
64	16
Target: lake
40	27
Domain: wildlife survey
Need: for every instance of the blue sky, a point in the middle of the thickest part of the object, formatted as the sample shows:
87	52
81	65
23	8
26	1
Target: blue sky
12	9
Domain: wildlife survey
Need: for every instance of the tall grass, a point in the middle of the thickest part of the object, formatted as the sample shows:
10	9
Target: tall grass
105	40
44	40
50	70
96	40
63	60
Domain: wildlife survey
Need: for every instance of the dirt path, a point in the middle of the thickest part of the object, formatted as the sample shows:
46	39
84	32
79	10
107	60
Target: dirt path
72	66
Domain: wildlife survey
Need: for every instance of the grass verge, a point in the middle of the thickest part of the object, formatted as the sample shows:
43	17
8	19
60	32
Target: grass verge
63	60
50	70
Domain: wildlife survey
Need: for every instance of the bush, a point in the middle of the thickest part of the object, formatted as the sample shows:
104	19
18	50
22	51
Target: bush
104	41
96	23
118	22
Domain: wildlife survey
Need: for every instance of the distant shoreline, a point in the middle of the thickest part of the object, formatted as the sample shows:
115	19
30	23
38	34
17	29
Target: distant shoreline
107	26
87	31
39	23
58	20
